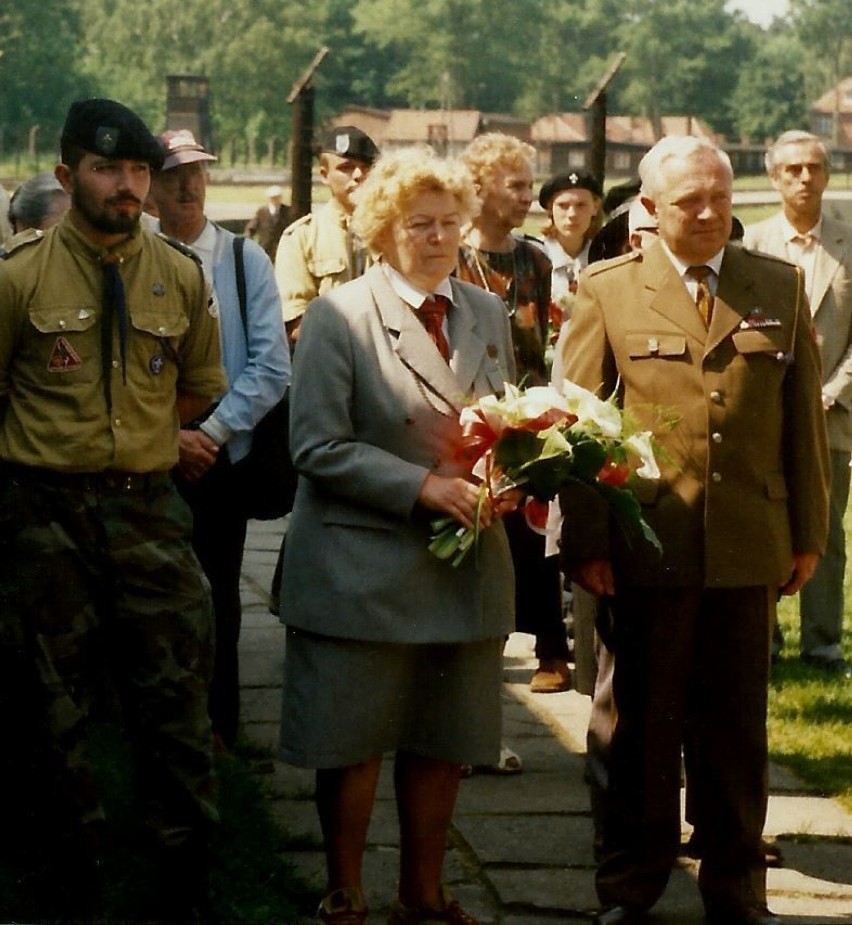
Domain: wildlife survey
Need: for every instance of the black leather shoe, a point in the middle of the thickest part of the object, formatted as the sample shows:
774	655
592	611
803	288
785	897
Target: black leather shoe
754	915
622	915
838	667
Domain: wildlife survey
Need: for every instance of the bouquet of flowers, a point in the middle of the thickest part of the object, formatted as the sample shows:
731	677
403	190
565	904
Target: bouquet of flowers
540	439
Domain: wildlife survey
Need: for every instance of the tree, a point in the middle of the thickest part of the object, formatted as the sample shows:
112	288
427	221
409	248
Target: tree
770	95
825	30
39	70
471	54
683	58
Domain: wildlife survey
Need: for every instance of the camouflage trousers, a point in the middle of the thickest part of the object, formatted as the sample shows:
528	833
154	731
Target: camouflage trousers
98	578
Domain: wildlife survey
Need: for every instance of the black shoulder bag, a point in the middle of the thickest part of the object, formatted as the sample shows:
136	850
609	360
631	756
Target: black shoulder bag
267	474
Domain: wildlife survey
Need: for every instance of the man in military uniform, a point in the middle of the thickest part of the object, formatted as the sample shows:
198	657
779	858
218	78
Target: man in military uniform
107	343
318	252
719	337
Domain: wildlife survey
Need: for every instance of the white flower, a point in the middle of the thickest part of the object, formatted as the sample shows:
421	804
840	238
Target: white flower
641	445
591	410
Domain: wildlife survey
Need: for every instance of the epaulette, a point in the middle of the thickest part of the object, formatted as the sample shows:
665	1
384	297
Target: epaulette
19	240
601	266
297	224
179	246
753	252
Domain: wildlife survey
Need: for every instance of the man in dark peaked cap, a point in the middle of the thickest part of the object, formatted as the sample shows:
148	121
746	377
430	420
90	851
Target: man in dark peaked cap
107	343
318	251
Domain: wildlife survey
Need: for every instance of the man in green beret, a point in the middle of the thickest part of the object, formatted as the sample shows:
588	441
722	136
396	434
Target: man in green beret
107	343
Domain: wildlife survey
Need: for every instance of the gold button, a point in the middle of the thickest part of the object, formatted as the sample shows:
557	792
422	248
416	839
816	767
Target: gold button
118	422
161	330
115	364
717	437
62	325
716	396
717	477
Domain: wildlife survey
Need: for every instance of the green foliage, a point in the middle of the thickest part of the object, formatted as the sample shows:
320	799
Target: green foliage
684	58
770	95
40	69
527	58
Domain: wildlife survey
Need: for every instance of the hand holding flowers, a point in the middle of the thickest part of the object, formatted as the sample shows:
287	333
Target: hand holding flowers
540	439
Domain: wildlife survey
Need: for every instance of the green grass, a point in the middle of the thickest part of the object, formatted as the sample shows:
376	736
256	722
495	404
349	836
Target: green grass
810	713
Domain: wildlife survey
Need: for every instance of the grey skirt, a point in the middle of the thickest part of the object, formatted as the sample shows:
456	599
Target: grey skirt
348	700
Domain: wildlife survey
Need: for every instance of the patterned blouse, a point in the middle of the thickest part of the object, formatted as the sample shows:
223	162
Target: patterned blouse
521	278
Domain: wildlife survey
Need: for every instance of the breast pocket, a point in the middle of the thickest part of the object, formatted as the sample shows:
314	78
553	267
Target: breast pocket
770	343
649	346
154	343
65	340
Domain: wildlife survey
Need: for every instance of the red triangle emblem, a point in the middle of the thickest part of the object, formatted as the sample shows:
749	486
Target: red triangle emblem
63	357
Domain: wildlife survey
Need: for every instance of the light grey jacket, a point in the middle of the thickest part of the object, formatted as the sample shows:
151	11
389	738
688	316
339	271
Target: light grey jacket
374	410
831	309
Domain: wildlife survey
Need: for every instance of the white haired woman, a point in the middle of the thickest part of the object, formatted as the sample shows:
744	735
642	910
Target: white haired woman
390	650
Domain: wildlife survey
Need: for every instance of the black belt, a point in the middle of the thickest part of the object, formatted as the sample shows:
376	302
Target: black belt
110	480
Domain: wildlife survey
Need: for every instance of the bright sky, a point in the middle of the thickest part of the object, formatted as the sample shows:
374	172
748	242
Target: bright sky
760	11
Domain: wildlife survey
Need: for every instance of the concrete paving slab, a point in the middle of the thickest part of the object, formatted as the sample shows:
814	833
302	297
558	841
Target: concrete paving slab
261	704
521	846
299	819
556	890
807	816
530	792
262	735
287	782
827	860
529	840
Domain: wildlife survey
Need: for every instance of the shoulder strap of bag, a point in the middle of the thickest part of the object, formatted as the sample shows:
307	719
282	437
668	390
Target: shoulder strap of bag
240	269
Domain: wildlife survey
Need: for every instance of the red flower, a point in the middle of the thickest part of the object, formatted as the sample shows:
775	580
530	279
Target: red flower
613	473
535	512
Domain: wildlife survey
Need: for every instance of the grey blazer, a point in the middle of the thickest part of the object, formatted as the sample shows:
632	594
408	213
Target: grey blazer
831	309
374	409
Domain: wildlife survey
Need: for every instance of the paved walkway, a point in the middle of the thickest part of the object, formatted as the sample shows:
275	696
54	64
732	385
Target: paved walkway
521	846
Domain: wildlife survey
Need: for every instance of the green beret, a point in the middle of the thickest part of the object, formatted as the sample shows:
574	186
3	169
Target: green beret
111	130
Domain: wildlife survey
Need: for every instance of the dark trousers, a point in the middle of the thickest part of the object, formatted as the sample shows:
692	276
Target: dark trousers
219	538
538	590
687	665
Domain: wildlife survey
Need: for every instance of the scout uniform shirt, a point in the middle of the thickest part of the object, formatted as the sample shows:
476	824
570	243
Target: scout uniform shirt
53	400
316	254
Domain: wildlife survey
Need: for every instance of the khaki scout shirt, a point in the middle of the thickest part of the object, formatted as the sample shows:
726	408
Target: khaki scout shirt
316	254
53	410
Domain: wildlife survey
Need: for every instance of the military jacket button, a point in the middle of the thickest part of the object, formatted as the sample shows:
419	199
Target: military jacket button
716	477
716	397
717	437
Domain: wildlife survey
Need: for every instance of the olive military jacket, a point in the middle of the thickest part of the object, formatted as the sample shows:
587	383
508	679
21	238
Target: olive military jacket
315	256
53	406
744	466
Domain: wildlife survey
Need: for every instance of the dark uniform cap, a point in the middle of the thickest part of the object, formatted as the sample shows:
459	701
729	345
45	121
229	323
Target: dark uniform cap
566	181
349	141
107	128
